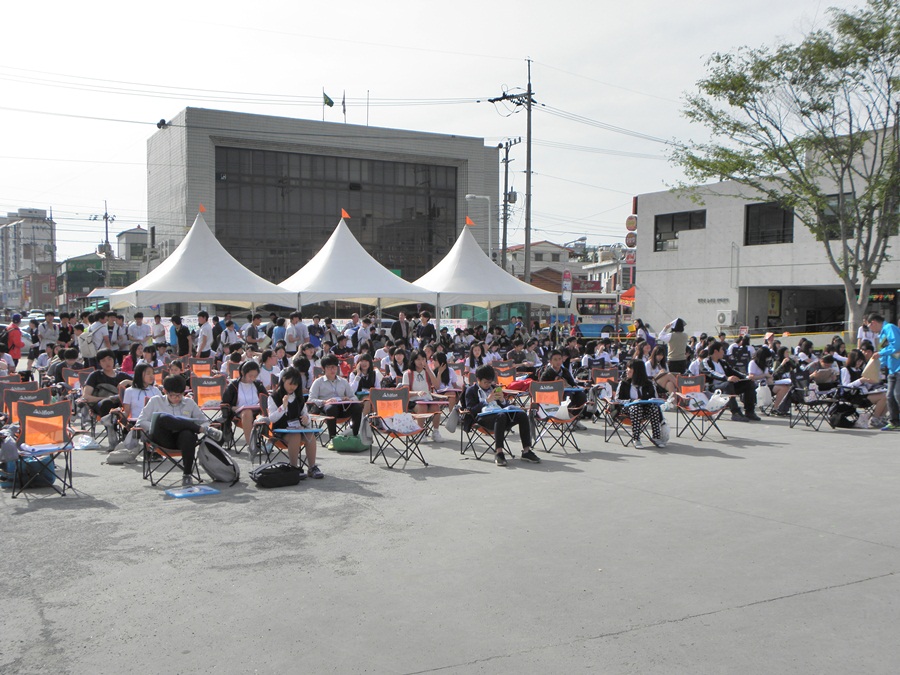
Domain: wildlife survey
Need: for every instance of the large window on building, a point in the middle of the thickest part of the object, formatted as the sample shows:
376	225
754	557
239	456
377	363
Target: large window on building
768	224
667	226
275	210
829	220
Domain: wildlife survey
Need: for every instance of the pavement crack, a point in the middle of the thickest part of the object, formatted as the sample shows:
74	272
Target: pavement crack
654	624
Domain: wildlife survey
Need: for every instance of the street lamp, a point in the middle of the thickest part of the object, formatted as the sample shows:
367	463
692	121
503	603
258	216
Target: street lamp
471	198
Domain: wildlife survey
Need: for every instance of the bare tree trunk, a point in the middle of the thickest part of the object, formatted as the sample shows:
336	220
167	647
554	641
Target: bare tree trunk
857	302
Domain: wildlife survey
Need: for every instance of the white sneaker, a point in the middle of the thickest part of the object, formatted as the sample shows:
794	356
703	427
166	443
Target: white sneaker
638	444
215	434
436	436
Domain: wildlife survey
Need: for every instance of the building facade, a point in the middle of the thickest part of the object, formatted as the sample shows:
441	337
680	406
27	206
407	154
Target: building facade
28	260
733	261
273	188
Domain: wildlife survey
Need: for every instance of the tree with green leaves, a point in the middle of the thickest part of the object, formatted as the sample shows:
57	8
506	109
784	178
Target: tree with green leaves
813	127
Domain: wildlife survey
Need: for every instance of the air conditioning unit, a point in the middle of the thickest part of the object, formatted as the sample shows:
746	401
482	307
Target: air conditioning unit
726	317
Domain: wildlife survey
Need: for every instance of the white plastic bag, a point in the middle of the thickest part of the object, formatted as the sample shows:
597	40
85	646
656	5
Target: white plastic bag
665	433
85	442
763	395
717	401
403	423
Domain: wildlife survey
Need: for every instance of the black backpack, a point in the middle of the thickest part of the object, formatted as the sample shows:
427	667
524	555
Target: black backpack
4	337
278	474
842	415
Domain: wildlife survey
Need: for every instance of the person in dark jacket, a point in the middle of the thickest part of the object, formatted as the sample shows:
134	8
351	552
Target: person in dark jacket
486	406
555	370
723	377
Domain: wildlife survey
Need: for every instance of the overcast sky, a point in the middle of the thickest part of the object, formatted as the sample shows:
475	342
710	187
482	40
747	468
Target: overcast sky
107	72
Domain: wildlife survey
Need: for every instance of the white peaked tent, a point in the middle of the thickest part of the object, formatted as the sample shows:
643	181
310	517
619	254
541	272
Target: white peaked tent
467	276
343	270
201	270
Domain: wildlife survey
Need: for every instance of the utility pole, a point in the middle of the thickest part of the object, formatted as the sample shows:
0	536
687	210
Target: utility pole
506	146
107	219
526	100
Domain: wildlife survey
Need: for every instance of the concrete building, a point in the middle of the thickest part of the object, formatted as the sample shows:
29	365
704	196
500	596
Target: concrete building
548	263
27	260
274	187
732	261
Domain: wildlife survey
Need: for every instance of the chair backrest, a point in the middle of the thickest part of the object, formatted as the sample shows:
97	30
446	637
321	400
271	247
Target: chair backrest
234	371
460	370
15	377
44	424
16	386
506	375
389	402
12	398
202	367
83	375
207	389
601	375
70	377
503	364
691	384
159	374
550	393
318	372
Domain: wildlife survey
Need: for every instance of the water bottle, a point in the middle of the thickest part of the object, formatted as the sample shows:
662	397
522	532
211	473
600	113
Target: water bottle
813	391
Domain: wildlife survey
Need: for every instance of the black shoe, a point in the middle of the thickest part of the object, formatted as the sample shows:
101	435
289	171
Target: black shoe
187	480
529	456
315	472
738	417
500	459
752	416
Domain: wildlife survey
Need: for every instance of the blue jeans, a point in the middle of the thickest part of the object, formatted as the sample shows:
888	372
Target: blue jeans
893	397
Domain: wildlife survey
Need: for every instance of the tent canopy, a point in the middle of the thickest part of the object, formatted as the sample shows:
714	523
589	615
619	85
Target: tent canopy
344	270
467	276
201	270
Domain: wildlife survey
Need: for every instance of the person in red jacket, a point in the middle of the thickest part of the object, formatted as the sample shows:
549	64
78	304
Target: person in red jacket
14	338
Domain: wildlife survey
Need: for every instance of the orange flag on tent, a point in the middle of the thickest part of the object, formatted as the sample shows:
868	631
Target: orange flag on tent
344	214
469	221
202	208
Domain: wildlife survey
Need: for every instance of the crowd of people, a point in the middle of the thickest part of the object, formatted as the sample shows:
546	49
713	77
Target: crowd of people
288	370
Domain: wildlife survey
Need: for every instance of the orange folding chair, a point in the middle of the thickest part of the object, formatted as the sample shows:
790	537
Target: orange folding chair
12	397
603	390
700	422
201	367
386	404
547	425
44	438
159	374
159	461
207	394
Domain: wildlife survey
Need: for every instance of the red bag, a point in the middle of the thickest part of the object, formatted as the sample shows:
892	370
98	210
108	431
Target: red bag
520	385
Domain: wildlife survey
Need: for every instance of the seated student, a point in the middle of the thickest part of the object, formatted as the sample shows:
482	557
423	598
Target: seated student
327	395
637	386
179	425
695	365
234	359
101	390
519	357
287	410
306	362
281	358
43	359
450	383
7	363
364	348
342	348
824	372
363	377
383	352
423	384
555	370
245	397
397	365
134	356
483	396
720	375
476	357
142	388
758	368
152	357
851	378
176	367
70	361
663	380
268	370
531	356
783	365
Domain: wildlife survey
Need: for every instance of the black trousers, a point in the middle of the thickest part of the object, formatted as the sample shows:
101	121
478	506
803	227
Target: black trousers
746	390
677	367
178	434
502	422
103	406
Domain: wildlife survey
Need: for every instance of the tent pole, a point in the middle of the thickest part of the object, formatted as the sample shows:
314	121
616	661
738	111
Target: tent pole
378	314
437	312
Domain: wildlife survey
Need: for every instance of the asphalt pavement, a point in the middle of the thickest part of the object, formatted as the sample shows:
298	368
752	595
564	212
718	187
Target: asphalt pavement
776	551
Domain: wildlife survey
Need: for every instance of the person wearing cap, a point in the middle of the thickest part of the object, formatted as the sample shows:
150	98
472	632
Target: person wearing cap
674	336
14	338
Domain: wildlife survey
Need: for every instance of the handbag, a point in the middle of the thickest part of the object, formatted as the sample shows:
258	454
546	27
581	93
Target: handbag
452	420
279	474
132	439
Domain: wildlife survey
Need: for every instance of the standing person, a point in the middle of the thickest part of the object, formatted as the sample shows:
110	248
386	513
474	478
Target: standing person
65	331
158	332
889	355
179	425
295	335
251	332
14	339
400	328
122	342
287	410
204	335
47	332
865	332
674	336
139	332
425	333
482	397
315	331
181	338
